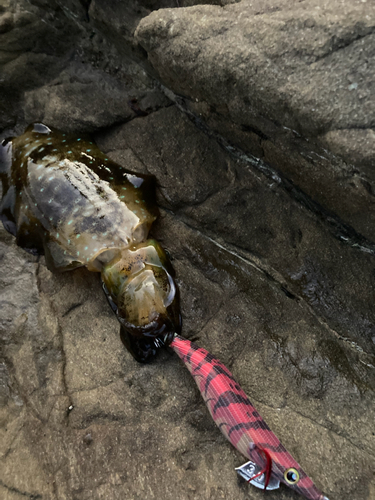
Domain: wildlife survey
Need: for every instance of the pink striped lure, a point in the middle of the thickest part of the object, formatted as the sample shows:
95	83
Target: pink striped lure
270	463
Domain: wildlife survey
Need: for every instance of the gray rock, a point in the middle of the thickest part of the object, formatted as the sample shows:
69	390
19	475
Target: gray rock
279	75
81	100
34	50
355	146
58	68
168	155
119	20
6	22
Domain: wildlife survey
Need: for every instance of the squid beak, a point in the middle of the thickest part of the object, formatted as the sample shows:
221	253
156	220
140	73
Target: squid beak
249	471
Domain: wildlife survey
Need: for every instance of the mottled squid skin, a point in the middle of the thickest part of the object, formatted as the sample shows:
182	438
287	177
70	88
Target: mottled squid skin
237	418
63	197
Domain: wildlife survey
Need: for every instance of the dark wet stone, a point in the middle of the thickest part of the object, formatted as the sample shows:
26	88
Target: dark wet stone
80	100
6	22
277	287
176	160
35	45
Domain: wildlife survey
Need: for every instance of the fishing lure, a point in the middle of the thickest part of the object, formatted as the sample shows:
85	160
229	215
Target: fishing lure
63	197
269	462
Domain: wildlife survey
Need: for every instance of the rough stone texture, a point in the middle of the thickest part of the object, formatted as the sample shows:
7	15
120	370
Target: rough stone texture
118	20
33	50
81	99
168	155
281	74
275	286
57	67
358	146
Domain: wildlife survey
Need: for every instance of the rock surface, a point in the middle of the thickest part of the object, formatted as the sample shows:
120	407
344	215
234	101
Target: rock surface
276	270
286	78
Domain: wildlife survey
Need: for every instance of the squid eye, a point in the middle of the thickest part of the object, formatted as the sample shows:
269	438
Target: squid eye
291	476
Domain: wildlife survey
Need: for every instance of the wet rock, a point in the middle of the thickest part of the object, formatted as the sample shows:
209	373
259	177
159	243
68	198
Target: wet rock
275	285
58	68
279	75
168	157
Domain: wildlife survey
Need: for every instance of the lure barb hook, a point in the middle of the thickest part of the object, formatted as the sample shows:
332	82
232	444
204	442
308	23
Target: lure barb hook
258	476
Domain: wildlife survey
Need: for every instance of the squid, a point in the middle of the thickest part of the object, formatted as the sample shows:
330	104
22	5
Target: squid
64	198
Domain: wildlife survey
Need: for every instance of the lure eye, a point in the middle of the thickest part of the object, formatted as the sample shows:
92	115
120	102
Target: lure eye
291	476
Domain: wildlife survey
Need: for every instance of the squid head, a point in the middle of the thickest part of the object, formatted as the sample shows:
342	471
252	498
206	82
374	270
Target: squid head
140	287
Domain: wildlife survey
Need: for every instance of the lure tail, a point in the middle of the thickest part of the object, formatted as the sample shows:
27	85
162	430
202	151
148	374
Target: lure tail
270	463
